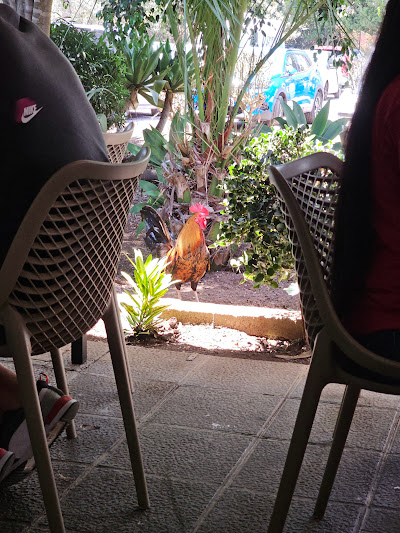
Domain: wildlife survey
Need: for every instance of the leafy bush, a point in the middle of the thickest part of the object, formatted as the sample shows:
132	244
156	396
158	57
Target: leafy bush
150	283
100	69
252	209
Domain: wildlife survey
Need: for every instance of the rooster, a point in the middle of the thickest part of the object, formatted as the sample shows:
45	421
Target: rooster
188	258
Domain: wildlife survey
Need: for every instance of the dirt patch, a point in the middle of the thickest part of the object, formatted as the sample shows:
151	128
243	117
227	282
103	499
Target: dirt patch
222	342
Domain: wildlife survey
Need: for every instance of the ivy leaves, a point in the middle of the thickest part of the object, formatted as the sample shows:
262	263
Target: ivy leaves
253	214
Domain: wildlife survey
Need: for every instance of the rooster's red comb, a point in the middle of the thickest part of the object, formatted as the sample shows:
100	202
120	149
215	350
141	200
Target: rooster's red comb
199	208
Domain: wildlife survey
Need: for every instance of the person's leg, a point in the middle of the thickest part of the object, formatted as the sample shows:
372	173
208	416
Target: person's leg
9	397
15	446
385	343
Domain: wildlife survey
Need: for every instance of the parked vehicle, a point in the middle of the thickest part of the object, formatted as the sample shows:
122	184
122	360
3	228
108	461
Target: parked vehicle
96	29
292	77
332	66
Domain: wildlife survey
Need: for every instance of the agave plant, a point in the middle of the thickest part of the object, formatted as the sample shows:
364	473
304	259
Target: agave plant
322	129
170	68
149	284
141	63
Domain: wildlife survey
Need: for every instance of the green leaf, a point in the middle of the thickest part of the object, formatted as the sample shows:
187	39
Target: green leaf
158	85
289	114
293	289
281	121
133	148
333	130
140	227
102	121
265	129
301	119
137	207
148	186
320	121
154	137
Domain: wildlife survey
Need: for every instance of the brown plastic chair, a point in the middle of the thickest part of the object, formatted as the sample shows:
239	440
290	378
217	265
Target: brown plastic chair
117	142
116	147
308	191
57	281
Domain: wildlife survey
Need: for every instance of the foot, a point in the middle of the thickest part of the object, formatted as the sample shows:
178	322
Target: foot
7	460
56	407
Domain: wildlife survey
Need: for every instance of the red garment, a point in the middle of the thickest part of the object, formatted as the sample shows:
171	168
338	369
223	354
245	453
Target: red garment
379	309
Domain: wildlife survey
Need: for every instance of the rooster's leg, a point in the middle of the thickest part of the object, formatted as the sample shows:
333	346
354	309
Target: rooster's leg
178	290
193	284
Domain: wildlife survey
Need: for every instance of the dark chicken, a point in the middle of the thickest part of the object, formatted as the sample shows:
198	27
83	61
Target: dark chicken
188	258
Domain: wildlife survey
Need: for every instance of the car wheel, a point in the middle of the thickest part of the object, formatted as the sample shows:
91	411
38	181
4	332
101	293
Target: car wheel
326	90
318	101
277	110
338	93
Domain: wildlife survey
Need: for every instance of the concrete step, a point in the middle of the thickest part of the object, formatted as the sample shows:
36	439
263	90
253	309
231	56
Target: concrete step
258	321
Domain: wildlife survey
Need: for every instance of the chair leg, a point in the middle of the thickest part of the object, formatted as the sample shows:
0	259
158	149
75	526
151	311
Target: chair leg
62	384
116	344
342	428
79	351
19	345
297	448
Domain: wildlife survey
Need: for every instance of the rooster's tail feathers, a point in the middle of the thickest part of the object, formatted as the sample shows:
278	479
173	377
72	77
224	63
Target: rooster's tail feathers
157	236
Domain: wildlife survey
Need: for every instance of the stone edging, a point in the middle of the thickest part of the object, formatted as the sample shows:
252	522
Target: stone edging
258	321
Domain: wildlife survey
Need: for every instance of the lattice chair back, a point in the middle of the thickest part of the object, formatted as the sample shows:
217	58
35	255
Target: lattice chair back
117	142
60	269
314	183
308	190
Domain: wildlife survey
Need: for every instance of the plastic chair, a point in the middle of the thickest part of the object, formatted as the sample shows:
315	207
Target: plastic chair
308	192
57	281
116	147
117	142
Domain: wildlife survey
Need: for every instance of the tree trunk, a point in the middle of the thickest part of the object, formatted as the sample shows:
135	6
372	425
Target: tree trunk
37	11
165	111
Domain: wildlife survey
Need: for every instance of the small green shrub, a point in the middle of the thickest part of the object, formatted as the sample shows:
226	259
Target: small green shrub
100	69
150	283
252	210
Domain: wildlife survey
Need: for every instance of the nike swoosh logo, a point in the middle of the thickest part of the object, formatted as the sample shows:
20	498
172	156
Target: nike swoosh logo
24	119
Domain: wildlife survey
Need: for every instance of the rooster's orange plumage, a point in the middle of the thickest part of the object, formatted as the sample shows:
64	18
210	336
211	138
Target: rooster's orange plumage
188	258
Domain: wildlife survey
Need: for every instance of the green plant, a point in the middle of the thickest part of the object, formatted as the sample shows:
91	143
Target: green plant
197	163
100	69
252	212
150	283
141	61
322	131
170	68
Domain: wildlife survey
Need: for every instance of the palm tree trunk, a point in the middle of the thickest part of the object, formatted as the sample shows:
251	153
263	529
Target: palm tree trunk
169	95
37	11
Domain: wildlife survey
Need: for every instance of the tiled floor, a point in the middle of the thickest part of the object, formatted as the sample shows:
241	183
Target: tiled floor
214	433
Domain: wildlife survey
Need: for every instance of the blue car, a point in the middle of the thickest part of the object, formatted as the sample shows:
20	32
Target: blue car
292	77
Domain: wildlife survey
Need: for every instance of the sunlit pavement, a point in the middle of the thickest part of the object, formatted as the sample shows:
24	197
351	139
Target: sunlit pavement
343	106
